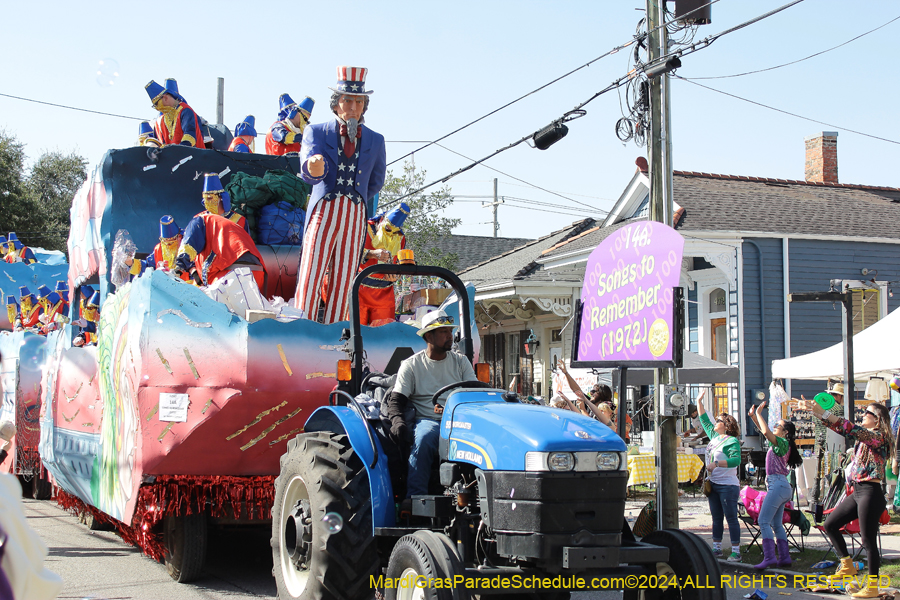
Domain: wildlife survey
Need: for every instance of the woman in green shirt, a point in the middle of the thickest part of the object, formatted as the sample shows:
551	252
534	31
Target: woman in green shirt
780	459
723	457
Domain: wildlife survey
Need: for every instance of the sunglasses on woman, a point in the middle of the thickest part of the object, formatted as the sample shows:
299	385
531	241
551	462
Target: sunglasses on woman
869	412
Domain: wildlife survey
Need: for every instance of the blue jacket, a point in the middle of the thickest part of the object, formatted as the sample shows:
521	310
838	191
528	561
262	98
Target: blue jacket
324	138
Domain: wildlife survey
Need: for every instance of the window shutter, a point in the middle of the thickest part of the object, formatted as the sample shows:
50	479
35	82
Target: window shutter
526	365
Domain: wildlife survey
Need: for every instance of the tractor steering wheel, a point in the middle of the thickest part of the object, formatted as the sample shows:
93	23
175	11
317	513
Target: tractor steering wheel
458	384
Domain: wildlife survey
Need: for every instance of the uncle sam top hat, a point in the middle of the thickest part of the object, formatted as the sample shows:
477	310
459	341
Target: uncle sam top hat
351	81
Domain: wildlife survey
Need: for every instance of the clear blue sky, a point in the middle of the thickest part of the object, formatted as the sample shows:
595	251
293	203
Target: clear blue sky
436	66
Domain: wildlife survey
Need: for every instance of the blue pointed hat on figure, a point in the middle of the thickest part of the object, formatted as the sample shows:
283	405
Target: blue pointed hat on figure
351	81
145	129
62	288
94	302
155	91
86	292
10	300
172	89
287	108
14	240
397	215
246	127
168	228
44	291
306	106
24	292
212	185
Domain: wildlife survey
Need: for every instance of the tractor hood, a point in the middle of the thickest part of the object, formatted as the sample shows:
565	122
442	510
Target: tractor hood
482	428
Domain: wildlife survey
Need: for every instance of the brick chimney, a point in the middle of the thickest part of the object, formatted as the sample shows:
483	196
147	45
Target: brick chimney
821	157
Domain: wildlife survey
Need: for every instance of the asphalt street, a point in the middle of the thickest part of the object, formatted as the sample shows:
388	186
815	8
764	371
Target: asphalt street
99	565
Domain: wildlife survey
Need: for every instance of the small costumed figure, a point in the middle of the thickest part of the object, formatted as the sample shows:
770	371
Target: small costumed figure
384	240
164	253
4	249
213	246
147	137
217	201
86	293
18	252
54	312
91	316
177	122
62	288
285	134
12	313
345	162
29	309
244	136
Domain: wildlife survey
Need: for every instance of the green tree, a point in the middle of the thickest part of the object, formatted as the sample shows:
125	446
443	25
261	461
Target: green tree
35	204
52	184
426	224
12	183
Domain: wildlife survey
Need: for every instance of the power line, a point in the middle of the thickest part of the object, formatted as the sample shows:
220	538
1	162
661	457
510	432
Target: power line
96	112
523	181
574	113
789	113
561	77
794	62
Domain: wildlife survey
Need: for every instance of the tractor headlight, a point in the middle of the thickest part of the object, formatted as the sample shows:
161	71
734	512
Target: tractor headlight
608	461
561	461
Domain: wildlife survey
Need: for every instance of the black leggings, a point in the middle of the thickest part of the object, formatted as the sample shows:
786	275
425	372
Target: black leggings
867	504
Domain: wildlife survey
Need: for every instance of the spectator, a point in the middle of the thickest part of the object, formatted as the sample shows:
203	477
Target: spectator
874	449
780	459
723	457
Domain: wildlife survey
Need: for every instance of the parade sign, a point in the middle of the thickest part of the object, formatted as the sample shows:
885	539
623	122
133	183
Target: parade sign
627	316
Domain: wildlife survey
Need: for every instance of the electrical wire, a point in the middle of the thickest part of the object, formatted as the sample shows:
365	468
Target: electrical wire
96	112
794	62
875	137
561	77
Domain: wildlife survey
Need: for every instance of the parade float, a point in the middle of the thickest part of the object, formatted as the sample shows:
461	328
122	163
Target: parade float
176	419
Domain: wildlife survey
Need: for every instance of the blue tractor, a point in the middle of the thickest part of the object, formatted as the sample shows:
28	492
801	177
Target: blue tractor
527	501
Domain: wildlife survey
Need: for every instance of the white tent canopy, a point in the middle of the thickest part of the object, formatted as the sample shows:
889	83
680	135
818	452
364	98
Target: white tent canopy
875	352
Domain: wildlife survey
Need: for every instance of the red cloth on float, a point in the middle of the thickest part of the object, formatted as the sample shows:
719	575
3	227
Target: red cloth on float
238	145
228	241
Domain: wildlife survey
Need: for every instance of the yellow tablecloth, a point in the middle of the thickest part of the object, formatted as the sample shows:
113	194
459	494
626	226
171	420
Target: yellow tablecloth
642	470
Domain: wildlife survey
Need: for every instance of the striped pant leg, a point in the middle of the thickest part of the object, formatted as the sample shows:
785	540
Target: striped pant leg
332	242
318	244
345	260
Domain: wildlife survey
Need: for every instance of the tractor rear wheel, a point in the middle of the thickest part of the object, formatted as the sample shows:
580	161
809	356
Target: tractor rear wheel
322	476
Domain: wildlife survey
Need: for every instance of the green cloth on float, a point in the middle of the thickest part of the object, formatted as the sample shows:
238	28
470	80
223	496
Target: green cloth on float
249	193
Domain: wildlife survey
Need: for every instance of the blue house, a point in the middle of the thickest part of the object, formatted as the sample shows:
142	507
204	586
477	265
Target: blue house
749	241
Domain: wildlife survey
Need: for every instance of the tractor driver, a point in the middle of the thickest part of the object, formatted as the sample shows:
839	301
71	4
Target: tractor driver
419	377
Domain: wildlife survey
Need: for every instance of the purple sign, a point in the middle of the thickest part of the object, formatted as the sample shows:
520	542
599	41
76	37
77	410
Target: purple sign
626	300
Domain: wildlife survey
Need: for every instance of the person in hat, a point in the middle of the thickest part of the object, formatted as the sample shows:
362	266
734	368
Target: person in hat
163	255
29	309
177	123
384	239
217	201
3	247
17	251
285	134
415	421
146	136
85	293
345	162
244	136
62	288
91	315
214	245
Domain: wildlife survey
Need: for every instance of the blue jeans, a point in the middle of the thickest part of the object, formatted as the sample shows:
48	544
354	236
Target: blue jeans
426	434
778	492
723	506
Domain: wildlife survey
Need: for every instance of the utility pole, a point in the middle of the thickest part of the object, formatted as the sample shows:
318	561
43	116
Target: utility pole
659	150
497	201
220	102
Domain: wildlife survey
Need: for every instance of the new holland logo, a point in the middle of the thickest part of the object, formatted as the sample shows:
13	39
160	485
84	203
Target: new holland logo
469	456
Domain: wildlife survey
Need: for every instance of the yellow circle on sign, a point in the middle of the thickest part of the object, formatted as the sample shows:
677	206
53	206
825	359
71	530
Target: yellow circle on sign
658	340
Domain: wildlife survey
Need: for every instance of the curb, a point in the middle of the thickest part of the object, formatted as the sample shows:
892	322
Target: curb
752	569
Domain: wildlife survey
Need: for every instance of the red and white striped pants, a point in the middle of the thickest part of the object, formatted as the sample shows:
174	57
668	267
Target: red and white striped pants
332	242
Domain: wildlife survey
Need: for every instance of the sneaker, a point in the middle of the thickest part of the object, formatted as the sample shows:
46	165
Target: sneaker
735	557
717	552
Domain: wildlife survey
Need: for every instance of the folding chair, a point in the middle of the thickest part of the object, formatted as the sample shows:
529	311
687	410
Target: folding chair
851	529
790	520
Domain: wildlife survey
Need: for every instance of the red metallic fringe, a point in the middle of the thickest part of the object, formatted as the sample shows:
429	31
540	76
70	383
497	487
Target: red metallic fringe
218	496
